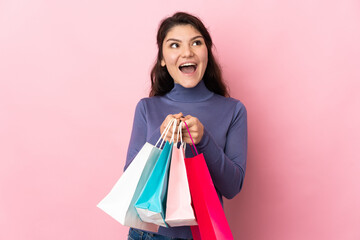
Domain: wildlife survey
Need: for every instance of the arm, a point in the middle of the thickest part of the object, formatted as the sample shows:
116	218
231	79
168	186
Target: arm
227	167
138	134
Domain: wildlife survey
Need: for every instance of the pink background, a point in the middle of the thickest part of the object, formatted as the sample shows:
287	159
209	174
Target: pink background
71	73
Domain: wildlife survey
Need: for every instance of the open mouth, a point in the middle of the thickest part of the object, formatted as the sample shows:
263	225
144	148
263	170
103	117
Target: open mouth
188	68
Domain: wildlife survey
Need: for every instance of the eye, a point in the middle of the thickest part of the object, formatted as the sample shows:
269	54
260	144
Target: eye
197	43
174	45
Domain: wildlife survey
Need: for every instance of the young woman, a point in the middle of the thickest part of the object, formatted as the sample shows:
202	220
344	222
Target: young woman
186	84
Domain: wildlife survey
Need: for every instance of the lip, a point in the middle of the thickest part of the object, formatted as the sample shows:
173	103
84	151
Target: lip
188	74
186	63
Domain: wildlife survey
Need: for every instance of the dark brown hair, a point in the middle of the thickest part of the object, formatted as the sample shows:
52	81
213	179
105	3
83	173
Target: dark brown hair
161	81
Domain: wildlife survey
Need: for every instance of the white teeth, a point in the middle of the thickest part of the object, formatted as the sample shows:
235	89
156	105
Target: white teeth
187	64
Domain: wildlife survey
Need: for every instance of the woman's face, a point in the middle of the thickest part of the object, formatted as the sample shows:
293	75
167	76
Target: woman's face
185	55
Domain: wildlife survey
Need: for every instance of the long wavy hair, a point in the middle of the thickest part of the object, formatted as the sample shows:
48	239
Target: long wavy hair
161	81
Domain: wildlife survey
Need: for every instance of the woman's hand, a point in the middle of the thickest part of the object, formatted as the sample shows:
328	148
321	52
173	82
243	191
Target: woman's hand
195	127
165	123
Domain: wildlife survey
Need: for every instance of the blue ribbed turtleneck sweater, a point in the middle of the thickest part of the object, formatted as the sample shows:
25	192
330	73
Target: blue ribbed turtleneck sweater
224	143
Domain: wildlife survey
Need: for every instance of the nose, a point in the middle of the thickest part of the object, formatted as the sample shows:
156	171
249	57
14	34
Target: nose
187	51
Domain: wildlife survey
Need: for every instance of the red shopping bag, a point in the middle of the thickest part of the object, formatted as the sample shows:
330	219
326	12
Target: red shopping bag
212	223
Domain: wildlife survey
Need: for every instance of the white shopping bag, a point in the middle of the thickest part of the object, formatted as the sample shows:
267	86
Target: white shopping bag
119	203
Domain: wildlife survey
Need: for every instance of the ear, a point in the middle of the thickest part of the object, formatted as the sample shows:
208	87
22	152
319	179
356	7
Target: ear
163	63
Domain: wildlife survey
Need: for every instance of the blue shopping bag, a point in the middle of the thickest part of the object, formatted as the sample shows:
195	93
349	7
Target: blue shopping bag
151	204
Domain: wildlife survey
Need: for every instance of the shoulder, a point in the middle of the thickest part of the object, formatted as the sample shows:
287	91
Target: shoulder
234	103
148	100
148	104
233	108
153	99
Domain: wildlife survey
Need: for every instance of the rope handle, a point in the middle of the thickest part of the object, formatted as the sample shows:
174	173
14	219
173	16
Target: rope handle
191	141
179	133
166	130
173	131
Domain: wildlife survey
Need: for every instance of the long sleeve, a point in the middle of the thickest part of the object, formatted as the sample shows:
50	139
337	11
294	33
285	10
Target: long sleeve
227	167
138	133
141	132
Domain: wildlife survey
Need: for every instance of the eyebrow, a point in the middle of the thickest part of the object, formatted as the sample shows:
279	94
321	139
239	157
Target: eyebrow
177	40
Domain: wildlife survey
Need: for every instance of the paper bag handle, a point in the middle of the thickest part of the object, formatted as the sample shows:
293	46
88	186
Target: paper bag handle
193	144
179	133
166	130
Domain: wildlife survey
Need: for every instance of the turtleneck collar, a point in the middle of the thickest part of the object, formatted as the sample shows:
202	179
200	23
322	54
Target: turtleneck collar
198	93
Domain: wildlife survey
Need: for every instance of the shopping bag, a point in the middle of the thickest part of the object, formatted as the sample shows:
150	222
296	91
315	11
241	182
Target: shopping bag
210	216
119	202
179	211
151	204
